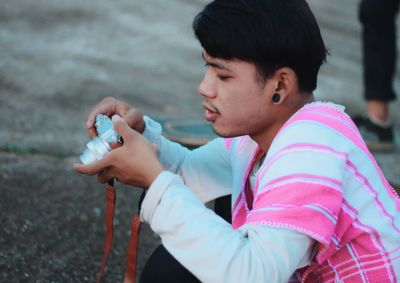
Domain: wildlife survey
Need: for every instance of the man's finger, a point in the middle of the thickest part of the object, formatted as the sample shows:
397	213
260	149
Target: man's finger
122	128
92	116
92	132
105	176
106	107
134	118
90	169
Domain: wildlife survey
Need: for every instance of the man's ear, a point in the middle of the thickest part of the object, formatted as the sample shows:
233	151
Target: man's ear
285	80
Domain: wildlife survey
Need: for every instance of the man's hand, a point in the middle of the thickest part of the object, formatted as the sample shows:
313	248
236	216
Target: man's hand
110	106
134	163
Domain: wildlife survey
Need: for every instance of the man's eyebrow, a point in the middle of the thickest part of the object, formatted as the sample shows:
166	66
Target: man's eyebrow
215	64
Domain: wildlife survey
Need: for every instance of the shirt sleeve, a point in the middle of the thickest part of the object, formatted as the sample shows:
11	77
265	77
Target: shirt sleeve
205	170
210	248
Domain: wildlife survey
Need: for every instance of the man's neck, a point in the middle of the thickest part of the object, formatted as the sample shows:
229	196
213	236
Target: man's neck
265	139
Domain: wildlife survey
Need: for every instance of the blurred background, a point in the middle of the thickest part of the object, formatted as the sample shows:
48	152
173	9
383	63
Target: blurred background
57	59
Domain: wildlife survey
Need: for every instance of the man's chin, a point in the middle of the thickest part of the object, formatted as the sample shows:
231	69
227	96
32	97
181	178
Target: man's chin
223	134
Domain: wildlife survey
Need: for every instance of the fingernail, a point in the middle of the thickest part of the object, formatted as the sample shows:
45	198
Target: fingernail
116	118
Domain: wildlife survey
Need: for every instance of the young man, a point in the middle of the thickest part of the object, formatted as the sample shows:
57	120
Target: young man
309	202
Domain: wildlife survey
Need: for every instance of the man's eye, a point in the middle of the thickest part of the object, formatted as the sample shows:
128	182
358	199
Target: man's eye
223	78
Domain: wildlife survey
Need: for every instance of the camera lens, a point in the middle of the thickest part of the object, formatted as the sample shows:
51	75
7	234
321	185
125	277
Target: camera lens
95	150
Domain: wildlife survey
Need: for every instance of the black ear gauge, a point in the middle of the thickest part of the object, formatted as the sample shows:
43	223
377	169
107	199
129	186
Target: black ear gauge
276	98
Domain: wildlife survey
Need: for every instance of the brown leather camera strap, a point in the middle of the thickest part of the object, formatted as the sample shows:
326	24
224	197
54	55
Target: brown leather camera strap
110	209
130	272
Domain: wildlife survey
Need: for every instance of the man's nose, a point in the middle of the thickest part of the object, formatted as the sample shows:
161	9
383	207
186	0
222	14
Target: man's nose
207	87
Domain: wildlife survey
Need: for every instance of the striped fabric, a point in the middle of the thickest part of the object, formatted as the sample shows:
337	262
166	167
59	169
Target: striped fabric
320	179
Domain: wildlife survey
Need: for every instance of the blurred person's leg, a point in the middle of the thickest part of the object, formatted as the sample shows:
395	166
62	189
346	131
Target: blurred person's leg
378	19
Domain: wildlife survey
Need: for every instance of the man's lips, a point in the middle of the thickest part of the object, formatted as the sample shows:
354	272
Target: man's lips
211	112
210	108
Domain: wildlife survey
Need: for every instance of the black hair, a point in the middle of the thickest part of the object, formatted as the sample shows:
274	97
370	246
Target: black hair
268	33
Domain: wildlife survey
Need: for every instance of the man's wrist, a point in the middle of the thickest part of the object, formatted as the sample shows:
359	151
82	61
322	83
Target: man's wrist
153	176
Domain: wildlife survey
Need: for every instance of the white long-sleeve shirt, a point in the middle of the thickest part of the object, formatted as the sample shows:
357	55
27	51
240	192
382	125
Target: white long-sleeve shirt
199	239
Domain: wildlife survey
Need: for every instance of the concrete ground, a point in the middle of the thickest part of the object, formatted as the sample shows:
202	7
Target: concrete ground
57	59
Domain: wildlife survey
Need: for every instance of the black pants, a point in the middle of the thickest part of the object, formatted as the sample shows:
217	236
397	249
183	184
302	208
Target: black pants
379	47
162	267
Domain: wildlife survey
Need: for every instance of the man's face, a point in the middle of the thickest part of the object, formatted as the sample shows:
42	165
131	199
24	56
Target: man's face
236	101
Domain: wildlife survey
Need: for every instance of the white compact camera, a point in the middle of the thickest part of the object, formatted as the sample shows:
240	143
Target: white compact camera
101	145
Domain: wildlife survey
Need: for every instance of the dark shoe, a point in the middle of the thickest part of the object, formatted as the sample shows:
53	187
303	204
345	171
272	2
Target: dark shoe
376	137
